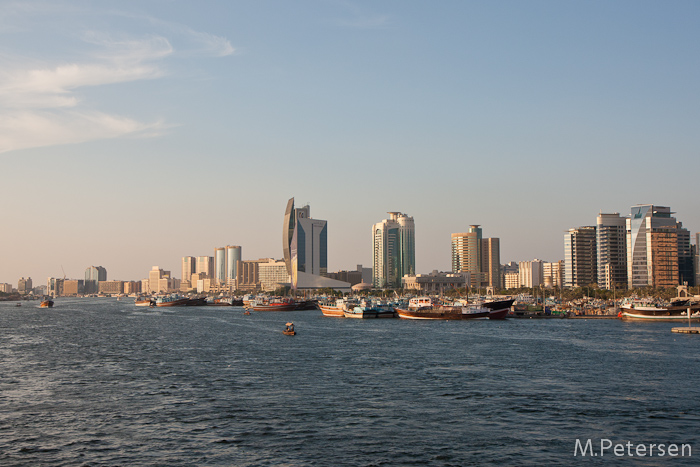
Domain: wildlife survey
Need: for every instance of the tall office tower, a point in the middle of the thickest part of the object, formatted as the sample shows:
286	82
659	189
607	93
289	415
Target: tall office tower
394	250
219	266
655	243
580	265
491	261
312	243
531	273
480	257
205	264
93	275
24	286
611	250
189	267
233	256
686	269
466	254
304	242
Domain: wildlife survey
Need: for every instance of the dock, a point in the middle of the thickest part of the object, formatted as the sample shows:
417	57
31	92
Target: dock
687	330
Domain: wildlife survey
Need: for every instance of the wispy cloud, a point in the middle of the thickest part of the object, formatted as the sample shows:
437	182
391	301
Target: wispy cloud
40	101
356	16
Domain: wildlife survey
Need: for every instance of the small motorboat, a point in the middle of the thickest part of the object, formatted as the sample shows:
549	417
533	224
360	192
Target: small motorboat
289	330
18	304
246	312
46	304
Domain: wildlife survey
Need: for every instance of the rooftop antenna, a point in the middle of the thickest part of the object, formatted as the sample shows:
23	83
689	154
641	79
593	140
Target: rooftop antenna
64	272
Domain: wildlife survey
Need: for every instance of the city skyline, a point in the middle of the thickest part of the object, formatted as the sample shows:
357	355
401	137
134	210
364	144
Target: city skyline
529	118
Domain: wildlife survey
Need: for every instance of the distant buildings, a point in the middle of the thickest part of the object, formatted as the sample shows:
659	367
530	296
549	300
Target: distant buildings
553	274
233	256
435	282
205	264
305	250
531	273
93	275
580	263
188	267
648	249
360	275
24	286
611	250
480	257
6	288
273	274
394	250
73	287
658	248
160	281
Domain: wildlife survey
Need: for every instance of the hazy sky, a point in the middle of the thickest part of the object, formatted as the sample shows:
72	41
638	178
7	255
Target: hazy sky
133	133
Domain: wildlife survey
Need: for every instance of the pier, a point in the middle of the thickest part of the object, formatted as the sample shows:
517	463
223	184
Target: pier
687	330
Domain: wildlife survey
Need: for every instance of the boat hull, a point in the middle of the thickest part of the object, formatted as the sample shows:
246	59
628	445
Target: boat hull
46	304
283	307
333	311
445	313
651	313
179	302
362	314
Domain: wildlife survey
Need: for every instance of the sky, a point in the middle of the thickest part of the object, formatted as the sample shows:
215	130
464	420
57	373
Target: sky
133	133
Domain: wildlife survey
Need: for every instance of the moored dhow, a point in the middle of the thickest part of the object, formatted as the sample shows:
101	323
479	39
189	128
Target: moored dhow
337	308
427	308
676	311
273	304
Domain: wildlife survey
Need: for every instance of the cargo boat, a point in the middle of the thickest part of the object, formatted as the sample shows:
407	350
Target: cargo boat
338	308
676	311
273	305
426	308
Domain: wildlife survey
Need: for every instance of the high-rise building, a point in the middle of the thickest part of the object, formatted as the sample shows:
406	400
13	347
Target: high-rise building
531	273
93	275
553	274
580	265
658	248
478	256
205	264
189	267
54	287
233	256
466	254
159	280
24	286
312	243
394	250
248	277
611	250
491	262
6	288
219	266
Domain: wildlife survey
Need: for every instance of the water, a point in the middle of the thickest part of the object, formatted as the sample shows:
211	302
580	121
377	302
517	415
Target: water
101	382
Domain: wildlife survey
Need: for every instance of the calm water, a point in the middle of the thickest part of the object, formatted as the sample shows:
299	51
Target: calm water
101	382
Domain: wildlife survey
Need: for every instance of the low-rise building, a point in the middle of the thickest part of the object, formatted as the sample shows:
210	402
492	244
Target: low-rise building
435	282
512	280
110	287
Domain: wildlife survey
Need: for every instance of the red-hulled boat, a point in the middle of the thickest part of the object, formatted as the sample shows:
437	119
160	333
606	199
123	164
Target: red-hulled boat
273	305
